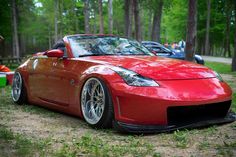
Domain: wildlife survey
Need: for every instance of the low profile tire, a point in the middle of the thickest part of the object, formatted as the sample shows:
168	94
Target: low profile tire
96	104
18	91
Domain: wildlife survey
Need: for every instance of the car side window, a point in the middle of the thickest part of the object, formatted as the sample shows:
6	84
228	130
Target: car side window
157	49
60	45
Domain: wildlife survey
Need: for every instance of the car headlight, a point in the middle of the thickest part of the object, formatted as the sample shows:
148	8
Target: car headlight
218	76
134	79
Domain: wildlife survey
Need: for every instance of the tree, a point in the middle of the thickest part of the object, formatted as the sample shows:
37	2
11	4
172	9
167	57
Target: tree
227	35
86	17
16	48
5	30
156	28
56	7
101	27
128	9
174	20
191	30
110	14
137	21
234	58
207	46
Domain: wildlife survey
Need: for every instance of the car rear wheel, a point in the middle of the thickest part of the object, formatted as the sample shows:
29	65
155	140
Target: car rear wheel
96	104
18	91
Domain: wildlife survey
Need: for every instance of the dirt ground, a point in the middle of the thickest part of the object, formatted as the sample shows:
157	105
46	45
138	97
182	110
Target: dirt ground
212	141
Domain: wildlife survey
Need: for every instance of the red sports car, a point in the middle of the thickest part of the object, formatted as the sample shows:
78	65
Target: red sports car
113	81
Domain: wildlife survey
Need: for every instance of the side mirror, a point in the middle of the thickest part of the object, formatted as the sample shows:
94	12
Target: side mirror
55	53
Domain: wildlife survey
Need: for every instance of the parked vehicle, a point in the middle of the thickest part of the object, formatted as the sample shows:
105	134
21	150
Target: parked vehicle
113	81
160	50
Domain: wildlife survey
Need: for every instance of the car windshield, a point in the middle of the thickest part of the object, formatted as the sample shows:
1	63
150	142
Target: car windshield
105	45
166	49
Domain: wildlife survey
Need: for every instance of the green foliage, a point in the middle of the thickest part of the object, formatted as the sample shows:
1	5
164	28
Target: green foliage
174	21
96	146
226	149
181	137
18	145
37	19
219	67
204	145
234	102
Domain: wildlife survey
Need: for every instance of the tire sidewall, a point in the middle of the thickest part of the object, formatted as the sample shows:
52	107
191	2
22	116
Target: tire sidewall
23	96
107	116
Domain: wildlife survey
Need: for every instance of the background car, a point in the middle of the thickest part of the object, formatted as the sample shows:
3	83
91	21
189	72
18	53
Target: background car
161	50
113	81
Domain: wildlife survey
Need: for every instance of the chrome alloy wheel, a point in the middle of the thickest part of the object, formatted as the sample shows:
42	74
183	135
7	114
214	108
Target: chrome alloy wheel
93	101
16	87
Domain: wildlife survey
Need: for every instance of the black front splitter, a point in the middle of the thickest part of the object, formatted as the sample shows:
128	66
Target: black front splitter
150	129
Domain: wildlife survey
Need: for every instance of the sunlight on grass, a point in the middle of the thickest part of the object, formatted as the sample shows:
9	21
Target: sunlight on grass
219	67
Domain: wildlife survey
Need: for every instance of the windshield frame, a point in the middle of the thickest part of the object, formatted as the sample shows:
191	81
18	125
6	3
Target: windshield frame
100	40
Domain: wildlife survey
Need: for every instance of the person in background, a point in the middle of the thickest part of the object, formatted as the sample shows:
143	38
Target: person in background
174	45
166	45
182	45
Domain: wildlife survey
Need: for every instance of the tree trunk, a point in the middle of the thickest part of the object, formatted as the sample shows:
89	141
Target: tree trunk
227	36
128	8
86	17
56	7
101	28
76	19
137	21
150	25
234	58
208	27
22	44
191	30
156	28
16	47
60	18
110	14
49	39
2	48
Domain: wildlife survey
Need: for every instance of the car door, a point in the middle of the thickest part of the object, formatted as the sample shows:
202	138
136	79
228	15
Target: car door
49	81
39	69
59	80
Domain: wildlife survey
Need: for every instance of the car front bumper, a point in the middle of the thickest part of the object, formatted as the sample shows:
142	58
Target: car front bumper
165	105
149	129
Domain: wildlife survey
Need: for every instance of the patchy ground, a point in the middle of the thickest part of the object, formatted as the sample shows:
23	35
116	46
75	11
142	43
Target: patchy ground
33	131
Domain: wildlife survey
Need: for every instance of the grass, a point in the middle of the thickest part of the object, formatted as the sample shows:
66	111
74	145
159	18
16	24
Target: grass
219	67
181	138
17	145
97	146
226	149
6	105
234	102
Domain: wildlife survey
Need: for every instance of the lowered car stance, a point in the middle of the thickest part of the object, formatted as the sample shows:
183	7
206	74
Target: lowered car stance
111	81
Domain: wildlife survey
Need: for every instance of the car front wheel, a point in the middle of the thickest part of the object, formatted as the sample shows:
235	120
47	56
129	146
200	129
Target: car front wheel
96	104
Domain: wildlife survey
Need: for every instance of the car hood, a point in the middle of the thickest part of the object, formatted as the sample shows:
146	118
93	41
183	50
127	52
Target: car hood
157	68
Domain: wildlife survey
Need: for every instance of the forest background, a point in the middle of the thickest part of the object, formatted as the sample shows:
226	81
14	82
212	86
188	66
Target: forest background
29	26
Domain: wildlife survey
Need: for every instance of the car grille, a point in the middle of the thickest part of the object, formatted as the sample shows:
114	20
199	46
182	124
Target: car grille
183	115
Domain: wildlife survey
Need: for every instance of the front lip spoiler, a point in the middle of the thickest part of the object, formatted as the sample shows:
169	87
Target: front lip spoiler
150	129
